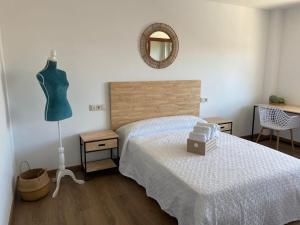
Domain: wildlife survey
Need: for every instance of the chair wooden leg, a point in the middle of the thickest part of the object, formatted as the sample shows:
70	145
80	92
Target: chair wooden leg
292	139
277	145
262	129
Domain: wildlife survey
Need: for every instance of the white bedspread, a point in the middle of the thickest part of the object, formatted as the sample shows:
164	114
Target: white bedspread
238	183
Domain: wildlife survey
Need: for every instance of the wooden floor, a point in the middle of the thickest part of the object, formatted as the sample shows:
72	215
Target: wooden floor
103	200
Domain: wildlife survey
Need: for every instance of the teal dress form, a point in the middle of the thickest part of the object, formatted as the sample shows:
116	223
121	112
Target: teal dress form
55	84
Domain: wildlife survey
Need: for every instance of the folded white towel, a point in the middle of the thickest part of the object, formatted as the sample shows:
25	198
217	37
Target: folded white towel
199	134
205	124
202	130
200	124
214	129
198	137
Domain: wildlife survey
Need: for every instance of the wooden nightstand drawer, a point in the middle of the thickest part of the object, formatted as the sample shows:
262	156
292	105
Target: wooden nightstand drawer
99	145
225	127
225	124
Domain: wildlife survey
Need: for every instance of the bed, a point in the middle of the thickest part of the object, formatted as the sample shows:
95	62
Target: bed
240	182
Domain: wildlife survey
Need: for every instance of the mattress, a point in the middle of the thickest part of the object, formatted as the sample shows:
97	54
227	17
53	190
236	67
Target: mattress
240	182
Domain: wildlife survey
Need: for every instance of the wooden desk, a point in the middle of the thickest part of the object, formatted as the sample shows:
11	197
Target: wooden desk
287	108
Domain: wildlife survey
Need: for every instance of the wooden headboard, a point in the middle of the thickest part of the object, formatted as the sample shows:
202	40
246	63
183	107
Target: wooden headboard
133	101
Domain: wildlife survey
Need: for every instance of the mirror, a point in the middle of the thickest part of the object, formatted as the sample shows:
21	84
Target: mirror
159	45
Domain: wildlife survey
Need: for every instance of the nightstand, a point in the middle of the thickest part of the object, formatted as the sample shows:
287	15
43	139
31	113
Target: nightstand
106	140
225	124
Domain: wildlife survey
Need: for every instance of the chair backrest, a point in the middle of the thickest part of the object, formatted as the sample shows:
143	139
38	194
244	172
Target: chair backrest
270	115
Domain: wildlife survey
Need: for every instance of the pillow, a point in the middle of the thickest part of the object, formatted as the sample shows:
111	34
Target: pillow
161	124
156	125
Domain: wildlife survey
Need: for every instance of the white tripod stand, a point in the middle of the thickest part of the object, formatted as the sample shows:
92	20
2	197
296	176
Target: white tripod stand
62	171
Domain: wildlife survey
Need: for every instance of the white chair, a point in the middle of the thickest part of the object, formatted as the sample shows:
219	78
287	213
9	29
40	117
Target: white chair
273	118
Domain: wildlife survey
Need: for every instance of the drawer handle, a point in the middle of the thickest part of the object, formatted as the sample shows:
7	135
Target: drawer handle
100	145
222	127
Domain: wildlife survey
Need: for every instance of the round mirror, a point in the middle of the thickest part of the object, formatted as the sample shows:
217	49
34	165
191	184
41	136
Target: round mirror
159	45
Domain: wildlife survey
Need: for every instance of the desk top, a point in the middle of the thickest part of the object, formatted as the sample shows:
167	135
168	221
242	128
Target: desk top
287	108
98	135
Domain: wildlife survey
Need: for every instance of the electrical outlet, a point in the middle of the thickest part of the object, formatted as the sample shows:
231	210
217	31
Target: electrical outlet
102	107
93	108
203	100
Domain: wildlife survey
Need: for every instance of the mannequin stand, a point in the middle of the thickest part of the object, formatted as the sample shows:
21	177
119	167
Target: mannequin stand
62	171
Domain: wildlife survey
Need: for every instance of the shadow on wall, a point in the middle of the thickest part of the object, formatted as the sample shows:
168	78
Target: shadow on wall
7	125
4	89
42	154
244	119
46	153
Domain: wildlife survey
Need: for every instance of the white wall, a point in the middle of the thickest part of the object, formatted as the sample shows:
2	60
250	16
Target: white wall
289	69
7	162
273	54
97	42
283	71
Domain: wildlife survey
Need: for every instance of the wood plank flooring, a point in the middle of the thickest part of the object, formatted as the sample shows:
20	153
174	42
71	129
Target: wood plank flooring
109	199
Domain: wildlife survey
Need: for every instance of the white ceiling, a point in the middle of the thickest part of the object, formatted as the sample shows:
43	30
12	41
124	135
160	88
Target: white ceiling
262	4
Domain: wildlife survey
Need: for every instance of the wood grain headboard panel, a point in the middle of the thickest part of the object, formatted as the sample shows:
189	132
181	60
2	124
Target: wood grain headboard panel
133	101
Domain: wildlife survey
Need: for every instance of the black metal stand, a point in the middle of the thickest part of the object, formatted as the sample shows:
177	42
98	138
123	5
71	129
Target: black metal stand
84	152
253	122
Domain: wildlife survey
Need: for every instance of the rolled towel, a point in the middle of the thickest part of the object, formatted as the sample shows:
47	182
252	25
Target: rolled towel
216	131
200	138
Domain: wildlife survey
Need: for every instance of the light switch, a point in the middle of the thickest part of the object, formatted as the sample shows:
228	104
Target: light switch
94	108
203	100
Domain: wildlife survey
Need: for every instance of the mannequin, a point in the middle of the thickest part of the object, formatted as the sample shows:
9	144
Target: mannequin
55	84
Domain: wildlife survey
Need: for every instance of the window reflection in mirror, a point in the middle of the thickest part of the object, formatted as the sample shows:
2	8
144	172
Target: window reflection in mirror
159	46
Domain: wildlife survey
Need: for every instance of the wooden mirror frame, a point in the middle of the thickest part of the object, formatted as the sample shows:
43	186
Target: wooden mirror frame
143	45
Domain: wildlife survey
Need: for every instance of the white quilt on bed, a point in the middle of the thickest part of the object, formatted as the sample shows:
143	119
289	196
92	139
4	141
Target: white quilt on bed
238	183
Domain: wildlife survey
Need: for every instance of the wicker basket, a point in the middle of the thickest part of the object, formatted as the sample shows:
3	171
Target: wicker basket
33	184
201	148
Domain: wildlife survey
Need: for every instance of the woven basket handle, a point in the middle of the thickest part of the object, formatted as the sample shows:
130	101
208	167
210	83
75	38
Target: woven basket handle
22	163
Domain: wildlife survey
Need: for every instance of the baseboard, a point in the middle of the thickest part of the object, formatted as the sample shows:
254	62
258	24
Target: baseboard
287	141
262	138
267	137
52	173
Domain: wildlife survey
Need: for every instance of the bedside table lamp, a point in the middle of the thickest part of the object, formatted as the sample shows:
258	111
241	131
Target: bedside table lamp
55	84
